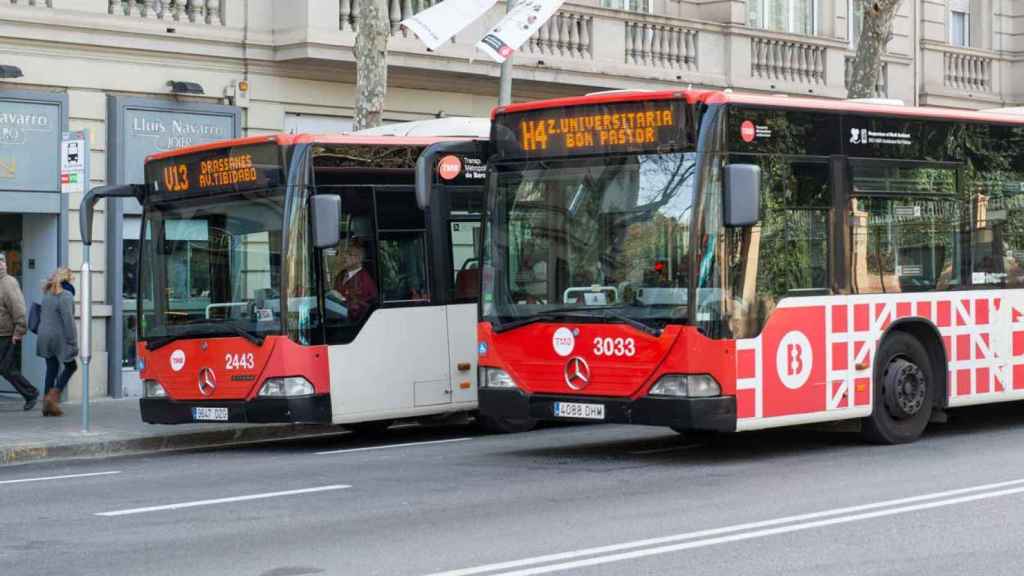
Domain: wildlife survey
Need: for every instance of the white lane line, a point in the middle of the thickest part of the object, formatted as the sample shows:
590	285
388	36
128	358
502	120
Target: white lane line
382	447
562	556
758	534
66	476
181	505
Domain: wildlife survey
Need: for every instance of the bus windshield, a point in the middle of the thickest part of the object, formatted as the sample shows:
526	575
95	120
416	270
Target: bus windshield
592	238
211	266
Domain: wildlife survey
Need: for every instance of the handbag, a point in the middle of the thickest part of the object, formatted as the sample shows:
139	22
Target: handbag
34	312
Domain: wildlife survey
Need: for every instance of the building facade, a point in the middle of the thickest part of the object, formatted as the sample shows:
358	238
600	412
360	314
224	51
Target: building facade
141	76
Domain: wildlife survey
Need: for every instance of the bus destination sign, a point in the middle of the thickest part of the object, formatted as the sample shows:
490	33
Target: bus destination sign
590	129
217	170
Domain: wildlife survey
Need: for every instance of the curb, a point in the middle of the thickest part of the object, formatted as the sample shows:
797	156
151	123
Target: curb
100	448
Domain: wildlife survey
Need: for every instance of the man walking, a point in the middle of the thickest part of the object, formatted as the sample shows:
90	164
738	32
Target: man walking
12	329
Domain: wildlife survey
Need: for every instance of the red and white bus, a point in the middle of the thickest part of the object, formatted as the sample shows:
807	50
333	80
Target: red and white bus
298	278
716	261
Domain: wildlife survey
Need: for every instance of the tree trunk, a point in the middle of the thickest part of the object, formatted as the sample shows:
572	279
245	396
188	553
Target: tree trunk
371	52
874	36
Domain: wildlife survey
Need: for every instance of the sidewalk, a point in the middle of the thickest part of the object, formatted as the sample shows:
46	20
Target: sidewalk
116	429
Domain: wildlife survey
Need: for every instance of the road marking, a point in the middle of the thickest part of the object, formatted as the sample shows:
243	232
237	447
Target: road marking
196	503
66	476
713	536
382	447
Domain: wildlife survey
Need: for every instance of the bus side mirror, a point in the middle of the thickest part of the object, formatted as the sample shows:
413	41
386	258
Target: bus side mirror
741	203
326	215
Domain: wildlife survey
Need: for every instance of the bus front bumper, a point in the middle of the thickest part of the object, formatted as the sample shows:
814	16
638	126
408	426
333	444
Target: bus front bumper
309	409
717	413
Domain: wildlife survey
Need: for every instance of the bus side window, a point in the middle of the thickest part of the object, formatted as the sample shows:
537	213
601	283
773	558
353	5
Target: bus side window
402	248
995	181
465	243
904	227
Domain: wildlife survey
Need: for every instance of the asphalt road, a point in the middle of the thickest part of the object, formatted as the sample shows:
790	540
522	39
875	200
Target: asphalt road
607	500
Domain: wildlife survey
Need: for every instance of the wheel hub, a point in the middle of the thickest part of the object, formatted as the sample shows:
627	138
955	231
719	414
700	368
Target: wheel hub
905	388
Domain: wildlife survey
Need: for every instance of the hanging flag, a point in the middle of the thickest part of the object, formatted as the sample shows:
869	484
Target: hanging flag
523	21
437	24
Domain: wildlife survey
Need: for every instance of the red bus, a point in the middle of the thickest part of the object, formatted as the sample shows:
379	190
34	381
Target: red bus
298	278
715	261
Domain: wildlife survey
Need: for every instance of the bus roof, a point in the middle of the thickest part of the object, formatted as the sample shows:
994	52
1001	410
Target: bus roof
778	101
282	139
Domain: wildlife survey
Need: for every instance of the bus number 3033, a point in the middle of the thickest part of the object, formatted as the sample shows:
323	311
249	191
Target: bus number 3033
239	361
614	347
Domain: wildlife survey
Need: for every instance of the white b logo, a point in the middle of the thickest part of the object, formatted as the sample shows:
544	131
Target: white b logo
563	341
177	360
794	359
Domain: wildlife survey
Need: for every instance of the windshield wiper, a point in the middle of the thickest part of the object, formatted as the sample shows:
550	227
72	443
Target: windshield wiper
641	326
162	341
575	312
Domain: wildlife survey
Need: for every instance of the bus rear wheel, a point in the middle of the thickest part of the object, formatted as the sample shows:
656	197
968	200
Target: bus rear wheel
904	392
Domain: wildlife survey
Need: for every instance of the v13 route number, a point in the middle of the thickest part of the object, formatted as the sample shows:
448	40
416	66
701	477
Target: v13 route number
239	361
614	347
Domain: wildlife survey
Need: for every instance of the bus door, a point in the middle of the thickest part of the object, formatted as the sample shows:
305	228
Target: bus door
455	206
387	338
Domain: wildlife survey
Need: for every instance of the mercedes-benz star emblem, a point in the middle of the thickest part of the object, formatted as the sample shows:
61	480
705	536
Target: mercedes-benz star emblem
577	373
207	381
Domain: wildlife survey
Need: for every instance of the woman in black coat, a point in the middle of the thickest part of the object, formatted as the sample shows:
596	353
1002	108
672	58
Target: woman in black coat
57	340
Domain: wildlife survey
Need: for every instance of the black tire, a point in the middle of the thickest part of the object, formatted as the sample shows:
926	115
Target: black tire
505	425
904	392
369	428
701	436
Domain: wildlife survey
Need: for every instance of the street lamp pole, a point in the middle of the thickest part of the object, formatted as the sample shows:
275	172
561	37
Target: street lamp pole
505	84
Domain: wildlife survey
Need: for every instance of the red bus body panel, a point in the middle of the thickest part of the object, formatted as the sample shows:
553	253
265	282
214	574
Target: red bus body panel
176	366
531	357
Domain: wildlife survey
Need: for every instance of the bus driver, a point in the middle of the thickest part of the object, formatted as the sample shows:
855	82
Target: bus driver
353	285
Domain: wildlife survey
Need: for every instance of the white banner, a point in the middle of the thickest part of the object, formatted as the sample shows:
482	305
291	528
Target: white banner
437	24
516	27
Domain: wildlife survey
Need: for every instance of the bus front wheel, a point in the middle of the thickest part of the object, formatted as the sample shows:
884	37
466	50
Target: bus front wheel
903	392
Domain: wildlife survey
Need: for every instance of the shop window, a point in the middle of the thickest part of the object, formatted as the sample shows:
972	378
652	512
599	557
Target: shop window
130	247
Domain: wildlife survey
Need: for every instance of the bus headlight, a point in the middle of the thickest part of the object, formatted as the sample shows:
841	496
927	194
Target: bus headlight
496	378
286	387
153	389
686	385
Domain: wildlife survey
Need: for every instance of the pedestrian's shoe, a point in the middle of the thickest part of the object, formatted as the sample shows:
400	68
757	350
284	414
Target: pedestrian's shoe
51	404
30	403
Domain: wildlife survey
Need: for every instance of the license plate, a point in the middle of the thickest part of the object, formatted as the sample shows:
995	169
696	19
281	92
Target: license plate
216	414
577	410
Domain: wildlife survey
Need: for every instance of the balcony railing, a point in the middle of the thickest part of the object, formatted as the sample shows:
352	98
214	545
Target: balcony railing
965	71
787	60
660	45
566	34
194	11
398	10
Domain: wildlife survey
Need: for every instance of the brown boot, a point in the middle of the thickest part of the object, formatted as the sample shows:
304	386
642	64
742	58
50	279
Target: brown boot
51	404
